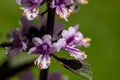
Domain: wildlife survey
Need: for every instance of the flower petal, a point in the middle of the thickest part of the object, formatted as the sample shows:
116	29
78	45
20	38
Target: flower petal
19	2
37	41
71	31
43	61
32	50
78	36
76	27
62	11
31	15
59	44
65	34
76	53
47	39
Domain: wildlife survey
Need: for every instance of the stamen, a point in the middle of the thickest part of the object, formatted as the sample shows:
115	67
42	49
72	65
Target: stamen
41	66
34	10
86	40
70	10
71	55
48	62
25	12
83	55
79	59
35	62
84	1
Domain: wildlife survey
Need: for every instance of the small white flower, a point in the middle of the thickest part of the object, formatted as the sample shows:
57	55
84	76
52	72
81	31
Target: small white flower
43	61
31	14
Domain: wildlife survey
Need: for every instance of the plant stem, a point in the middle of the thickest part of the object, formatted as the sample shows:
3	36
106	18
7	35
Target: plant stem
50	19
43	74
49	29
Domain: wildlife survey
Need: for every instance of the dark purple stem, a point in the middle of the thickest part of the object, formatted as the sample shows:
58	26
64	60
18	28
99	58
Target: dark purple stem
49	29
50	19
43	74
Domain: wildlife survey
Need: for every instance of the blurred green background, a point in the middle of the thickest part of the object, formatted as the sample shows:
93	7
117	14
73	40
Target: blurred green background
99	20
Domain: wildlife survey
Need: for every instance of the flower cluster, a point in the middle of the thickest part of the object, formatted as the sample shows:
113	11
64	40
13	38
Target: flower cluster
30	39
43	36
63	7
33	38
69	40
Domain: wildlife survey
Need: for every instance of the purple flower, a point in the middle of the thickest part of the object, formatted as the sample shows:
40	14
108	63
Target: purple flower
18	44
44	48
28	75
70	39
30	8
65	7
75	38
29	4
61	8
56	76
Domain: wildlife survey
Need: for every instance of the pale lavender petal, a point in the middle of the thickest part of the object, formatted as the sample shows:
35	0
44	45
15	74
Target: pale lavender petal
78	37
32	50
65	34
71	31
19	2
47	39
76	27
37	41
59	44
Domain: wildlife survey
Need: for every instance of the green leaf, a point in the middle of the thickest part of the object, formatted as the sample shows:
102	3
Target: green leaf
85	71
80	68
